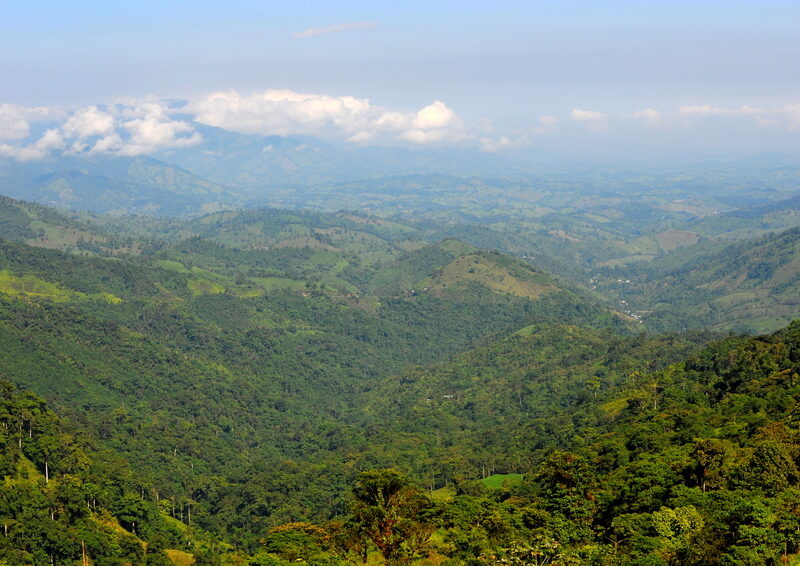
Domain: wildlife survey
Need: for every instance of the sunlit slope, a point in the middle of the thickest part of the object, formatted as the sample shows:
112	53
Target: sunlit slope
46	227
232	349
751	285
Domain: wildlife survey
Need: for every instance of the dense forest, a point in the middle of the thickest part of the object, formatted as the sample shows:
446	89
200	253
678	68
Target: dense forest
270	387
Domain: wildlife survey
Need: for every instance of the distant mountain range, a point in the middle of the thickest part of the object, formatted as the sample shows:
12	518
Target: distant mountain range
230	170
115	185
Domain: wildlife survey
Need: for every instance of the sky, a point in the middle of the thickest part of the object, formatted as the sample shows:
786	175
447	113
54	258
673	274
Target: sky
602	77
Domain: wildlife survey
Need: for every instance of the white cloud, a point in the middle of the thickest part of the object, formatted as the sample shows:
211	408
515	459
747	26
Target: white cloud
593	121
792	115
285	112
587	115
51	140
336	28
88	122
436	115
279	112
785	118
648	115
362	137
493	145
13	123
141	126
152	129
433	123
136	127
108	144
15	120
125	128
708	110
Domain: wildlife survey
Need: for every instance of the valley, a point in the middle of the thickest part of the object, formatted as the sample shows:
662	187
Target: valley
250	364
399	284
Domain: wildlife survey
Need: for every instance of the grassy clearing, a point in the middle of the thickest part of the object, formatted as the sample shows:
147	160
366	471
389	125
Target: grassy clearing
626	260
179	557
277	283
497	481
525	331
170	265
31	286
669	240
443	493
203	286
477	268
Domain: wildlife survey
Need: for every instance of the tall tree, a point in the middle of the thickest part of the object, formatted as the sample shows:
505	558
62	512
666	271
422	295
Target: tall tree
392	513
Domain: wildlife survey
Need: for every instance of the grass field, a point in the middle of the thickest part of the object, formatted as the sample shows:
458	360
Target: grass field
497	481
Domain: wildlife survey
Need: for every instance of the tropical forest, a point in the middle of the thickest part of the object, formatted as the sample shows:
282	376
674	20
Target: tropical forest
411	284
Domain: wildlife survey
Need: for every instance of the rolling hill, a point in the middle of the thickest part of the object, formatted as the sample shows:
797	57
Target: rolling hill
751	285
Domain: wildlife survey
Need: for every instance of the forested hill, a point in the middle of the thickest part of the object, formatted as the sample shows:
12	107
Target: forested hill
503	406
749	286
251	365
693	464
62	502
201	361
46	227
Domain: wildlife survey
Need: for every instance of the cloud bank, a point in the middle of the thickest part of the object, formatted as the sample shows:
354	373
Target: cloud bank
15	120
125	128
285	112
136	127
130	127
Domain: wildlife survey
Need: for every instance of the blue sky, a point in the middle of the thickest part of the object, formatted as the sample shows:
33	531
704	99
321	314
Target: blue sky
513	74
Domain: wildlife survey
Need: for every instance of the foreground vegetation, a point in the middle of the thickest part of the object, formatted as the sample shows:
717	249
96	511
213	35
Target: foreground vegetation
692	464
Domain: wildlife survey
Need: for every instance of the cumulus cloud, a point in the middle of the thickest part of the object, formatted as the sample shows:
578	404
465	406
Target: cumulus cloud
88	122
336	28
126	128
279	112
433	123
151	128
648	115
708	110
785	118
51	140
285	112
133	127
493	145
15	120
594	121
587	115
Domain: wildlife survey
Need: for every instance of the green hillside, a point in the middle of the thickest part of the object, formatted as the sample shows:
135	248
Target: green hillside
62	501
46	227
254	366
693	463
202	360
696	463
749	286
